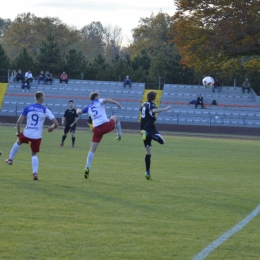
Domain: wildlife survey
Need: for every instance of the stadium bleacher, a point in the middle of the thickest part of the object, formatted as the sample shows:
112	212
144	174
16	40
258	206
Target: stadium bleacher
234	108
57	97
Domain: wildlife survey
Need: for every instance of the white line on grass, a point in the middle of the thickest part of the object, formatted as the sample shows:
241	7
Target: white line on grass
207	250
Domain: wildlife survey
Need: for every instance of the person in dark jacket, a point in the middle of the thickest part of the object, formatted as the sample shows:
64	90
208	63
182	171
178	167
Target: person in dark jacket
128	82
199	101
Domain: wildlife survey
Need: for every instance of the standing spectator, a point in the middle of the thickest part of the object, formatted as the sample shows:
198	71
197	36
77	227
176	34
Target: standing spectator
64	78
217	85
246	85
35	114
29	75
102	125
148	129
26	85
41	77
19	76
199	101
71	117
128	82
48	77
13	76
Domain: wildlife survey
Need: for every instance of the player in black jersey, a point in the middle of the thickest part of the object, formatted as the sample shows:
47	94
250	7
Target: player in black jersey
148	129
71	118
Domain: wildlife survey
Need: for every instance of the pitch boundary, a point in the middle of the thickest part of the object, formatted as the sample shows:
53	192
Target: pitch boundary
207	250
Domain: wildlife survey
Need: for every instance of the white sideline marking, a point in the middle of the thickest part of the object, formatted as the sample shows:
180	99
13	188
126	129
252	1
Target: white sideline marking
207	250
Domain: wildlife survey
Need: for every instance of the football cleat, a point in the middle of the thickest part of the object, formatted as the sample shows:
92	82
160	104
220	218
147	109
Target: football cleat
73	146
148	176
86	175
62	144
143	134
118	138
35	177
9	161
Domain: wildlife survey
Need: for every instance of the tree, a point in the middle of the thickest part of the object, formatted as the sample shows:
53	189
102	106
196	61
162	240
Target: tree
24	62
27	32
97	69
151	35
92	37
4	60
4	22
49	57
112	42
142	60
74	63
211	34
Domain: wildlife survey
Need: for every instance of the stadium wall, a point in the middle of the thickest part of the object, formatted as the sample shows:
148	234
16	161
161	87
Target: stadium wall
193	129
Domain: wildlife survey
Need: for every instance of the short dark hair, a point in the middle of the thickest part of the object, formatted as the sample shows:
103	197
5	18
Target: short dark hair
71	101
38	95
93	95
151	95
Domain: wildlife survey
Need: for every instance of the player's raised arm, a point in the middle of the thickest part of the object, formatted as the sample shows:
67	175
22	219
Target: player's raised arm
109	100
79	111
158	110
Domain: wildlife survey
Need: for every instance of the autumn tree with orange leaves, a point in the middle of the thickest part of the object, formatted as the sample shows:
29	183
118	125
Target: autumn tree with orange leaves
218	36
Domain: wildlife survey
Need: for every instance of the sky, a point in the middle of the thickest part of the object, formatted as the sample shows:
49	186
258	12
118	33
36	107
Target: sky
79	13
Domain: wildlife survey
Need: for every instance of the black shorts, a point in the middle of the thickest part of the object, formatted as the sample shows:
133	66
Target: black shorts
69	129
153	134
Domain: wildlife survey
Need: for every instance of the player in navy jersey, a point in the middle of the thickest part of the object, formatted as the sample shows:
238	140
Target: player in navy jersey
35	115
71	117
101	124
148	129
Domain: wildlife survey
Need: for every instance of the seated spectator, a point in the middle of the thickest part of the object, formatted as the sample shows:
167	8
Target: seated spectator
29	75
246	85
199	101
64	78
41	77
217	85
26	84
214	103
193	102
128	82
13	76
48	77
19	76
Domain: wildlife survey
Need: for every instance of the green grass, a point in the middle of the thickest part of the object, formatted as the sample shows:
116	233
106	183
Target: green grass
201	188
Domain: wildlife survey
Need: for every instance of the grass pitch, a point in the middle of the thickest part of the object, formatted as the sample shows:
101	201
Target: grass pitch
201	188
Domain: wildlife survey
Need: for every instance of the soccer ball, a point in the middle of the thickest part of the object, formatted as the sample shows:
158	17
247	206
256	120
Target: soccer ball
208	82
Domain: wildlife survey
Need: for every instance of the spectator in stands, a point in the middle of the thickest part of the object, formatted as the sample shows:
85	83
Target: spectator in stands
29	75
217	85
64	78
199	101
26	85
214	103
48	77
41	77
246	85
13	76
128	82
19	76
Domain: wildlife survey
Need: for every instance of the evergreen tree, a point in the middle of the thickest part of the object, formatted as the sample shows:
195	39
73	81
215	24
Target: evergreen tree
49	57
74	63
4	60
24	62
142	60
